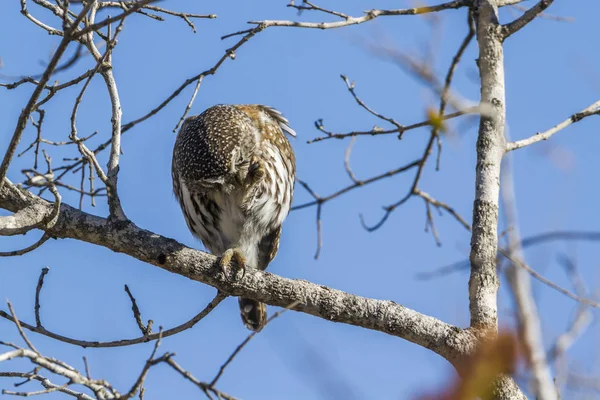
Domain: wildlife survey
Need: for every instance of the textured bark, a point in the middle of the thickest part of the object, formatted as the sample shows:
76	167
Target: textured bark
450	342
483	283
507	389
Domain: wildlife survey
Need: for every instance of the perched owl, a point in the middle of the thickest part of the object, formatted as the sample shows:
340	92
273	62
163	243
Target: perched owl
233	174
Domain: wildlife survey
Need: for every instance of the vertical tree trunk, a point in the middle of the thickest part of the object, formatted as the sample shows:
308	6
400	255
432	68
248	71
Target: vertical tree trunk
483	283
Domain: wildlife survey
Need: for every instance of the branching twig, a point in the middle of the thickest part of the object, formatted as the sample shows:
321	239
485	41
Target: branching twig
123	342
414	190
379	131
29	107
183	15
368	16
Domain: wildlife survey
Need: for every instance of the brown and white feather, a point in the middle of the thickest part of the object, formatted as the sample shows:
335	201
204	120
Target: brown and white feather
214	155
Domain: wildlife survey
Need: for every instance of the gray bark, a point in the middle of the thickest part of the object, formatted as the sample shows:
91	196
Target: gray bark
491	143
449	341
483	283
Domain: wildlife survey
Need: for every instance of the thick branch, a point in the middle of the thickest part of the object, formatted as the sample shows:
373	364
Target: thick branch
334	305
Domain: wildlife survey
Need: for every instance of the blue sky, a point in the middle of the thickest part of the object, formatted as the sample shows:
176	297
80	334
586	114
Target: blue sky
551	72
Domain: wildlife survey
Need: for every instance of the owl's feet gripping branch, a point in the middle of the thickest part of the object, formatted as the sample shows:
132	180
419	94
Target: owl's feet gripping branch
231	262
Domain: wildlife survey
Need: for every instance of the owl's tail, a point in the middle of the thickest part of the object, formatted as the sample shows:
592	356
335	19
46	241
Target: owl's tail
254	314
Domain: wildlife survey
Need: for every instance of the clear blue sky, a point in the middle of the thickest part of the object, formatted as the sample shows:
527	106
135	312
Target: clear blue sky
552	71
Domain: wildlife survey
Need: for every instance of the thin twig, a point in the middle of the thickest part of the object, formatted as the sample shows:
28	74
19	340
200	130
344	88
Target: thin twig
29	107
444	98
28	249
245	342
593	109
520	283
38	290
548	282
123	342
145	329
18	325
368	16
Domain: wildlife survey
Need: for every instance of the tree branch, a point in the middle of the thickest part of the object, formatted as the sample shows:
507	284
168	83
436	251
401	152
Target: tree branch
333	305
39	328
520	282
30	106
525	19
593	109
369	15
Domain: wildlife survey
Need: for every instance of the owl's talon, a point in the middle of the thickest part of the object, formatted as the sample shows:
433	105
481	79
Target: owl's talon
235	255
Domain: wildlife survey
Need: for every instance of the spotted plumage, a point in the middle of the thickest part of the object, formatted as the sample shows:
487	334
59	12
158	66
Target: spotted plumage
233	174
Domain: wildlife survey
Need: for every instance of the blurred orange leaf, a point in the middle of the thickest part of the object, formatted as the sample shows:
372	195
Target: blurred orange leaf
479	372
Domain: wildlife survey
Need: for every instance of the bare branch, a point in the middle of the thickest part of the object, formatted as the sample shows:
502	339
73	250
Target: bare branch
245	342
439	204
379	131
18	325
556	18
123	342
369	15
26	250
350	86
145	329
151	361
183	15
593	109
318	300
45	382
434	135
38	290
527	242
47	28
520	282
581	321
548	282
94	27
320	201
525	19
205	387
29	107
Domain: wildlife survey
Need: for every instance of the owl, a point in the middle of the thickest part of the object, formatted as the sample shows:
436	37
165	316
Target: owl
233	174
